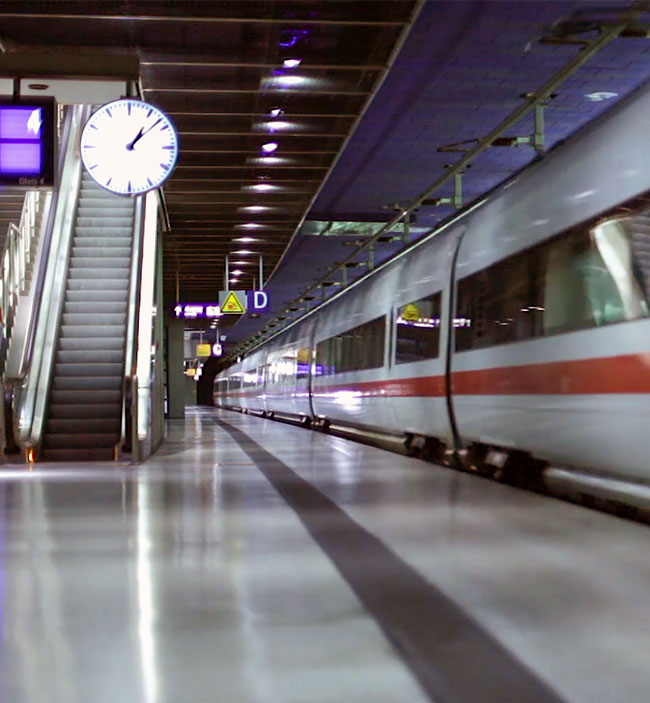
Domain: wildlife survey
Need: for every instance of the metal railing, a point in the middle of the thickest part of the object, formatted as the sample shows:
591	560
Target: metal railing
19	252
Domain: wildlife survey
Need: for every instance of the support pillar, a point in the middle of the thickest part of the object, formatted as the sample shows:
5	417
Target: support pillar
175	369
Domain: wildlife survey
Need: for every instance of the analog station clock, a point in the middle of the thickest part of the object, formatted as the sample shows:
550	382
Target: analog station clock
129	147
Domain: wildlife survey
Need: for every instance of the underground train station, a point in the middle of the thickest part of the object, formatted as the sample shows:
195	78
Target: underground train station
324	351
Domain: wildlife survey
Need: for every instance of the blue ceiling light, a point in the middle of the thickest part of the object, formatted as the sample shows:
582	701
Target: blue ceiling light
600	96
290	37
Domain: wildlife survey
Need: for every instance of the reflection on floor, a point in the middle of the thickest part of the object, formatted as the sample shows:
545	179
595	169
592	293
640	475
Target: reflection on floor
250	561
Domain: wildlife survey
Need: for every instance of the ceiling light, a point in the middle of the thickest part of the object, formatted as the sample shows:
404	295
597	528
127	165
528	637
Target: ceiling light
293	82
276	112
246	239
261	187
600	96
236	272
243	252
250	225
241	263
255	208
291	63
278	126
269	147
268	160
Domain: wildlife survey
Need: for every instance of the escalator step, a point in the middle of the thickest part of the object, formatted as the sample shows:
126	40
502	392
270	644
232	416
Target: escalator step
91	369
88	398
78	440
95	307
90	344
84	294
87	383
95	330
75	426
82	412
72	455
89	319
90	356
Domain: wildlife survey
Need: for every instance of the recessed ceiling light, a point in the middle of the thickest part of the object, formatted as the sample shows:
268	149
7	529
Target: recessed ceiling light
269	147
236	272
255	208
246	239
600	96
250	225
291	63
269	160
278	126
243	252
261	187
241	263
292	82
276	112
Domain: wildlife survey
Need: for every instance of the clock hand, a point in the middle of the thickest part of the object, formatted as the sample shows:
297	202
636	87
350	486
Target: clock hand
141	134
137	136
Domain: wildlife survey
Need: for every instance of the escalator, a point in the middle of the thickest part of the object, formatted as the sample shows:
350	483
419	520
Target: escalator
83	379
84	411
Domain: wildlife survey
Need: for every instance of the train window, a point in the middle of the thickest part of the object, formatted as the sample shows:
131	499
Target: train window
250	378
357	349
417	330
595	274
234	382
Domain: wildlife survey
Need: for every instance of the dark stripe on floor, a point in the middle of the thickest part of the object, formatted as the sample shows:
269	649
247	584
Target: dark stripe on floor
454	658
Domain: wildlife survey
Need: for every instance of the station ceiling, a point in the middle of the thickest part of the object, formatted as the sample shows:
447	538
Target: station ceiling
380	87
263	93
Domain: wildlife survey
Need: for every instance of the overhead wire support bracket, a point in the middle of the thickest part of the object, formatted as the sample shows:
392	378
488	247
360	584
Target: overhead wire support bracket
456	199
536	140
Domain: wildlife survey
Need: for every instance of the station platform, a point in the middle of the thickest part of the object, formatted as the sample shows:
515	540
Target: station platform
251	561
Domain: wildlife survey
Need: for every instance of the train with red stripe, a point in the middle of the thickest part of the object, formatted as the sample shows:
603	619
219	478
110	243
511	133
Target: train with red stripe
516	334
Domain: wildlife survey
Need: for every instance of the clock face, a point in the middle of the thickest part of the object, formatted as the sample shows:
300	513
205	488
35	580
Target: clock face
129	147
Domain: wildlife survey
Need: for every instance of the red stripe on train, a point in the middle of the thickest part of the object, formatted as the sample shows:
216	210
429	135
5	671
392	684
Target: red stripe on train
617	374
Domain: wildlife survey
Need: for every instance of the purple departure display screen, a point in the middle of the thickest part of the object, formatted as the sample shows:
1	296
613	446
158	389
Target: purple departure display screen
27	143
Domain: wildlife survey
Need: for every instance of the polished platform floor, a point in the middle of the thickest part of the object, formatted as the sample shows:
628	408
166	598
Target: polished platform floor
250	561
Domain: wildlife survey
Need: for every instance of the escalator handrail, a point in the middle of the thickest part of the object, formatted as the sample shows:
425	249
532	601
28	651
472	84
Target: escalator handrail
29	410
133	327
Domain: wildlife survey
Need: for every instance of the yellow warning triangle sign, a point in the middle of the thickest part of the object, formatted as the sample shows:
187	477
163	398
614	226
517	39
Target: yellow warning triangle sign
232	304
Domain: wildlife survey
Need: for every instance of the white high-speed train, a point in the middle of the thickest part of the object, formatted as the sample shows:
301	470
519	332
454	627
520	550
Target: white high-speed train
518	331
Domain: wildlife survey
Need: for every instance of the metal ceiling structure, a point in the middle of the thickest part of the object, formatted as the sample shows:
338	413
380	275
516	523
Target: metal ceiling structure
363	123
263	93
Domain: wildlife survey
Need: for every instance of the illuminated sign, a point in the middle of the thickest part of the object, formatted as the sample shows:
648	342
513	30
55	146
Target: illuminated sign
196	311
203	349
230	302
217	349
27	142
258	301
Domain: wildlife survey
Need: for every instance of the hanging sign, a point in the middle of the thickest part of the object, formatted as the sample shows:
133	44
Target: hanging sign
195	311
258	301
233	302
